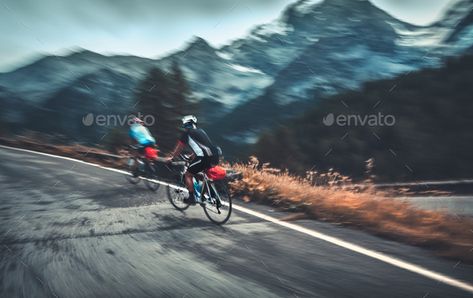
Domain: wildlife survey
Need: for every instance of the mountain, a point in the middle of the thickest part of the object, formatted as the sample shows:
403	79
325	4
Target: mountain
271	47
37	81
462	34
12	107
218	83
103	92
215	78
427	135
313	50
338	45
212	77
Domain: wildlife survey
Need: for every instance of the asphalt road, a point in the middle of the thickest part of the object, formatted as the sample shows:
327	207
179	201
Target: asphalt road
68	229
453	204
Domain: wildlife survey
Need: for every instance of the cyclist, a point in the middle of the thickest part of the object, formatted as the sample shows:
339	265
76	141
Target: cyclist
141	136
205	153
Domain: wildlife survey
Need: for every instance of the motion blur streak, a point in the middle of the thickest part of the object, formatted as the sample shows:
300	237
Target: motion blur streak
367	252
333	240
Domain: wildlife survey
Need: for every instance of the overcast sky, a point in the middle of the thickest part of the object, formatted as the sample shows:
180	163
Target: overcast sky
149	28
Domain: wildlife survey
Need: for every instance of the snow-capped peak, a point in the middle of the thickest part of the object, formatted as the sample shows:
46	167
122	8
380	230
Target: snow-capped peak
242	68
305	6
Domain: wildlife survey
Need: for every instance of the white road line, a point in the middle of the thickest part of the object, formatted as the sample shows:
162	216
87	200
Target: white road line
367	252
90	164
334	240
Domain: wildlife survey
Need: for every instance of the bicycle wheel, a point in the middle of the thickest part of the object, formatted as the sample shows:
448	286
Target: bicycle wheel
218	206
151	173
176	197
132	169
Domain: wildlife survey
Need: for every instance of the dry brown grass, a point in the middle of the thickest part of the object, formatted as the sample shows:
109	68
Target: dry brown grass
375	212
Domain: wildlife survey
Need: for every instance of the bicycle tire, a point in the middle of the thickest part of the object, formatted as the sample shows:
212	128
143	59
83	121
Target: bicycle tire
222	190
151	174
177	202
129	176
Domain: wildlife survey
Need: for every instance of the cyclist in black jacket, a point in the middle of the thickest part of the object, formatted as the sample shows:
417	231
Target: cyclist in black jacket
205	153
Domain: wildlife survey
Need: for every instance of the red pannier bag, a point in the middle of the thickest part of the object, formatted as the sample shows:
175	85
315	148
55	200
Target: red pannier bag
151	153
216	173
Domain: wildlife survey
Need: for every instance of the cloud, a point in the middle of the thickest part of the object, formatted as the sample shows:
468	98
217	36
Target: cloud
420	12
125	10
143	27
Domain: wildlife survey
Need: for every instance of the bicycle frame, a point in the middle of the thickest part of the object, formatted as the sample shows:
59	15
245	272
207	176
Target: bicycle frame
209	188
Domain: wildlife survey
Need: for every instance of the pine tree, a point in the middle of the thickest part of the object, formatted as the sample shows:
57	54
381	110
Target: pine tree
166	97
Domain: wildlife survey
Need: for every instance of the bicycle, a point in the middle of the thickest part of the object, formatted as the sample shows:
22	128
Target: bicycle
139	168
212	195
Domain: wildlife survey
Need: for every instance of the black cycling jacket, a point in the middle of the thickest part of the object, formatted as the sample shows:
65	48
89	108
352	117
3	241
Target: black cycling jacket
199	142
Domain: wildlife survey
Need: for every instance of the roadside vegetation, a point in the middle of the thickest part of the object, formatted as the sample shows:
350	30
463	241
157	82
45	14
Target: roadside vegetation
331	197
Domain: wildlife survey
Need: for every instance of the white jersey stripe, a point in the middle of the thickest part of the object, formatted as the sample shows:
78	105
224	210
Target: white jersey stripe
195	147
